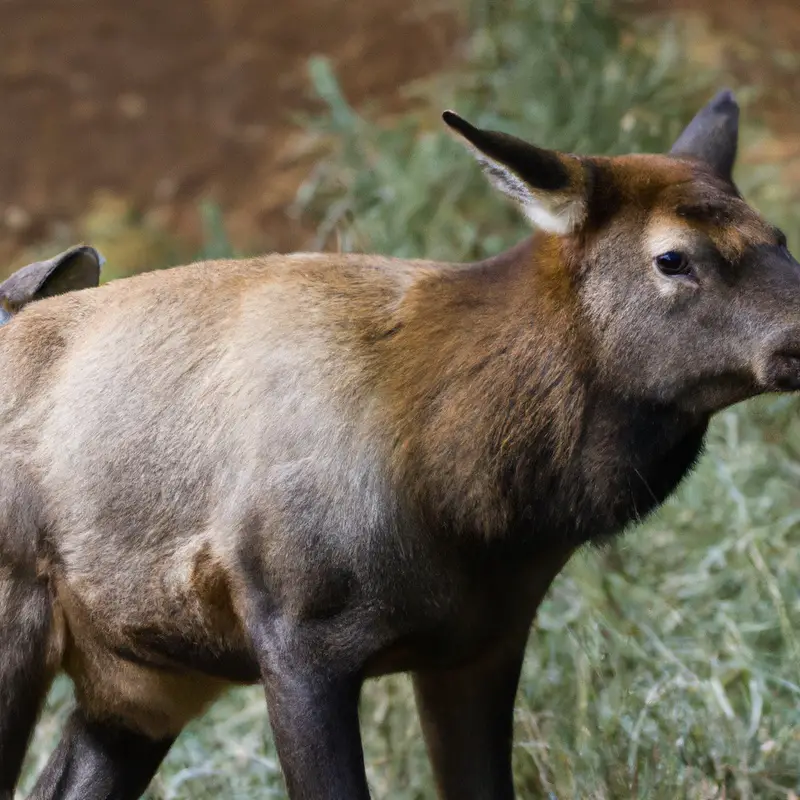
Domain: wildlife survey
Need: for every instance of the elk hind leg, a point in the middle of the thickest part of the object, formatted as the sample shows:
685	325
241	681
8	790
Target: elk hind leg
100	760
26	667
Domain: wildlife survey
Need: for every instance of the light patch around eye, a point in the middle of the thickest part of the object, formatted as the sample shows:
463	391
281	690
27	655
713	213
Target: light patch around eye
665	236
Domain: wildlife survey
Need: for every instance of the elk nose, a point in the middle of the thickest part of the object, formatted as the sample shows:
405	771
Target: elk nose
786	369
780	371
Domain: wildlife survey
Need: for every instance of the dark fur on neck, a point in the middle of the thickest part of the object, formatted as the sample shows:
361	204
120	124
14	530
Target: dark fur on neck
504	428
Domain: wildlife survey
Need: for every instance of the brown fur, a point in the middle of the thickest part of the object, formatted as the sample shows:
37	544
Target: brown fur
310	469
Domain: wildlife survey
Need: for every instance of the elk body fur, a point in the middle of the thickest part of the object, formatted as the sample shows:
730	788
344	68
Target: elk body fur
311	469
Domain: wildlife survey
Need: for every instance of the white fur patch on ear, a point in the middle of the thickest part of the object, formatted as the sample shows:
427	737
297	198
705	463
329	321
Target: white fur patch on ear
555	212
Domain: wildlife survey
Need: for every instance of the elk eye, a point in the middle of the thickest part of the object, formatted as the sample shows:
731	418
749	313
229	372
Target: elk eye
673	263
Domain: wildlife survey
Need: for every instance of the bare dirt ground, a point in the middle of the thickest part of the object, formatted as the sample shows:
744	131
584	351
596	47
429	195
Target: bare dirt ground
110	106
164	103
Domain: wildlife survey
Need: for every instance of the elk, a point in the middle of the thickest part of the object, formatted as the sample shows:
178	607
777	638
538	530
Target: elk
308	470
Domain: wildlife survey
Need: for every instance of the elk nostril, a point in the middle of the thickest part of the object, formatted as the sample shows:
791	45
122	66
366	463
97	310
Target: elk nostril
783	373
790	357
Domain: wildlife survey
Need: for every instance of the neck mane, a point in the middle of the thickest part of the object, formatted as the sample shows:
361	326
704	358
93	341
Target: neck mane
503	428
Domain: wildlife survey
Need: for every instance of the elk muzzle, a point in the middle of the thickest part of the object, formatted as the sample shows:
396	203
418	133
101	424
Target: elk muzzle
779	370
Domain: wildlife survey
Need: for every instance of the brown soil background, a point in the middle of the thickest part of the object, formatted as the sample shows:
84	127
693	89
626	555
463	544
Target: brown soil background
111	106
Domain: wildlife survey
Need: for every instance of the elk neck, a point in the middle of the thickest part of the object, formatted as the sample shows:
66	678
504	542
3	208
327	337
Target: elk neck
502	425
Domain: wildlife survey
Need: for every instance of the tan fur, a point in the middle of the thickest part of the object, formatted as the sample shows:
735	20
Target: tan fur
306	469
381	335
186	590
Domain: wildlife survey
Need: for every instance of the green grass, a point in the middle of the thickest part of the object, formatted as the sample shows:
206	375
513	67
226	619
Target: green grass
668	665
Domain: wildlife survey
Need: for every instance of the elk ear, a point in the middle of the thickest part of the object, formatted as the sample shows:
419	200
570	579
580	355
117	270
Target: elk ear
76	268
549	186
713	135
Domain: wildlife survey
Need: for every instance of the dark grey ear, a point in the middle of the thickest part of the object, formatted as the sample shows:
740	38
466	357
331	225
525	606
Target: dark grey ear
713	135
76	268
